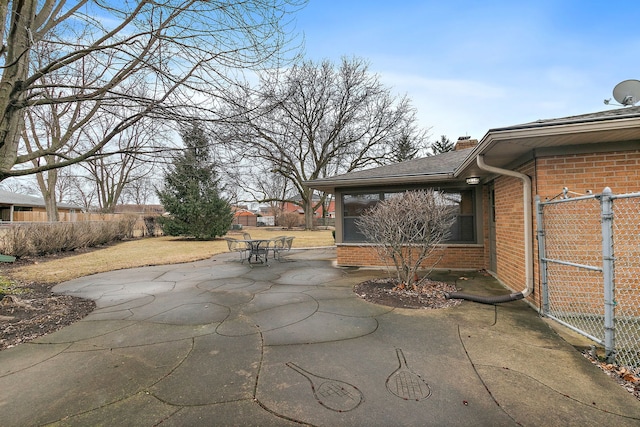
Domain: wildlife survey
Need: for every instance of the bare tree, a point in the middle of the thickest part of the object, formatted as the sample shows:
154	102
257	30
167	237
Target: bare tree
50	129
46	131
111	174
407	228
316	120
273	189
172	59
64	185
140	191
19	186
83	193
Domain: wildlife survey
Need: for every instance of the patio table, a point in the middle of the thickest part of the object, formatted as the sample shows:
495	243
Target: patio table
258	249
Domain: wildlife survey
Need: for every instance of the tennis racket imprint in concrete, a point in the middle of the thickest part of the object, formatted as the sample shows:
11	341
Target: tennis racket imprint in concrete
341	396
405	383
333	394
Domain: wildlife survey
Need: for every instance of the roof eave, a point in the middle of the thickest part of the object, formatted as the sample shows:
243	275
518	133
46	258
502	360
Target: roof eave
329	185
545	130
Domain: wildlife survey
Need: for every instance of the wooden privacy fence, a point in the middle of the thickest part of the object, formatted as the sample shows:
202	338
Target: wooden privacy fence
35	216
139	229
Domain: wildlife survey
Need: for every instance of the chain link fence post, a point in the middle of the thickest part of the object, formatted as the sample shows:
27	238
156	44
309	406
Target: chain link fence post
542	257
606	204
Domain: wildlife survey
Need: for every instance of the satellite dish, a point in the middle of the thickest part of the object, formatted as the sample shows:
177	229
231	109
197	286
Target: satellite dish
627	92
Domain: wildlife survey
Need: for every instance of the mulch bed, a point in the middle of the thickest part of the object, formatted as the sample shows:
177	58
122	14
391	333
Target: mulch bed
31	310
35	311
425	294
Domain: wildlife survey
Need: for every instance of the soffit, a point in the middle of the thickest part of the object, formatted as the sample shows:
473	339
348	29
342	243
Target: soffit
501	147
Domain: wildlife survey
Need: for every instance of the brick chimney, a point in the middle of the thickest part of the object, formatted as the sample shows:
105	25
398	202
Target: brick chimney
465	142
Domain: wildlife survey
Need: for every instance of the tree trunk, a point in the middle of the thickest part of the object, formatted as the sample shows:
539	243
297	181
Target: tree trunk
52	208
11	92
308	209
47	182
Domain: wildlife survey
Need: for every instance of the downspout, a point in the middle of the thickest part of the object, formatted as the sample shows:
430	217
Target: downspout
528	242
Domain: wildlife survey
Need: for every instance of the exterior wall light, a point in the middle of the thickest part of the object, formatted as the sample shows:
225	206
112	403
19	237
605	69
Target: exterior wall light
473	180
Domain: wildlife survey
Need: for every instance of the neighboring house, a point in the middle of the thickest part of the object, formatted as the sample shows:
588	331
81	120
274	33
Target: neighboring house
20	207
495	226
245	218
288	207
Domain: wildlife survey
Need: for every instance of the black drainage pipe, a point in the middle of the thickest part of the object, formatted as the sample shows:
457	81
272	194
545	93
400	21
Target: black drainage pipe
485	300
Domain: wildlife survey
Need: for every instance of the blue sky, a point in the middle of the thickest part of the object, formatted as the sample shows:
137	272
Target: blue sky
470	66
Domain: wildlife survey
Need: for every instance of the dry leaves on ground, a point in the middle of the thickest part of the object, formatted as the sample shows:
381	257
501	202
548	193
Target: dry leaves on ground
425	294
627	379
36	311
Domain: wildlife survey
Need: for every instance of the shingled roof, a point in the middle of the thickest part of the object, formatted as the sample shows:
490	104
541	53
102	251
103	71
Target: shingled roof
618	113
499	147
439	167
15	199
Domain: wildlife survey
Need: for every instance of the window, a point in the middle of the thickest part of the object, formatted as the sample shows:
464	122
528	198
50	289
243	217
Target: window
353	206
22	209
463	229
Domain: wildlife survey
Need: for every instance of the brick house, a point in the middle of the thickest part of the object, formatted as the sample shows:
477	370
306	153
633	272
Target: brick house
494	183
289	207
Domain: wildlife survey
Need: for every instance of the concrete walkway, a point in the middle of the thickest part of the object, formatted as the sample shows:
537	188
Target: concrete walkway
218	343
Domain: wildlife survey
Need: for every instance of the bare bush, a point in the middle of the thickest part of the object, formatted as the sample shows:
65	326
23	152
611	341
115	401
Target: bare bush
14	242
407	228
46	238
289	220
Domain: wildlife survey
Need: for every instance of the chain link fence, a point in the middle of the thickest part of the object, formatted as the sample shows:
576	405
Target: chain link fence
589	253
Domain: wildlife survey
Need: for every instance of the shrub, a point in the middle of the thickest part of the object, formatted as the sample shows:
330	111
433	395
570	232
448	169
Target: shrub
406	229
36	239
289	220
150	222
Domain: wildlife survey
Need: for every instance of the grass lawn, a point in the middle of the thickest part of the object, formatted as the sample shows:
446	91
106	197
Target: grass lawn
151	251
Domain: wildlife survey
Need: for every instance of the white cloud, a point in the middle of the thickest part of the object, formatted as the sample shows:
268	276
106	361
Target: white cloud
451	107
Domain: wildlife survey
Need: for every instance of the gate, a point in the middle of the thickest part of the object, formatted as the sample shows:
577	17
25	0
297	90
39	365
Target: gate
589	255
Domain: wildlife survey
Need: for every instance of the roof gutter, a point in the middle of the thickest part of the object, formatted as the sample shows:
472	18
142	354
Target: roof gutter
528	239
329	185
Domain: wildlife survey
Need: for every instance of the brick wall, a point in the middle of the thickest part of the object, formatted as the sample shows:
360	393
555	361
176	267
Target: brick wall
581	172
510	265
578	172
454	256
579	226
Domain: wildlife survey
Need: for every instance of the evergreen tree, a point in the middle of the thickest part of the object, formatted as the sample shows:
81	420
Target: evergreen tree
191	193
406	148
441	146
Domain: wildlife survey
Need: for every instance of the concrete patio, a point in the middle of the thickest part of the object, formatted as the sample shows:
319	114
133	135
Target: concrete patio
218	343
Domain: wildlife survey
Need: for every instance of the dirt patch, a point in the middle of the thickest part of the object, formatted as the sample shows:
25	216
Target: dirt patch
426	294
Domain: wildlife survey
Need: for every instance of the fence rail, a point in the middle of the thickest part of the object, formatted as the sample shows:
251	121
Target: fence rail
589	254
